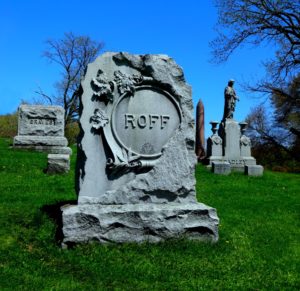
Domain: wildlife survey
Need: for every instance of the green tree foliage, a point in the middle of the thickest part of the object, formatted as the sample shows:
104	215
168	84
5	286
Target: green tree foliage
8	125
276	23
278	131
72	53
71	132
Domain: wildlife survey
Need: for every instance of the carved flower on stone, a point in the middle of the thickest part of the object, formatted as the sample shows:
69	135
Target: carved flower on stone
102	88
99	119
125	83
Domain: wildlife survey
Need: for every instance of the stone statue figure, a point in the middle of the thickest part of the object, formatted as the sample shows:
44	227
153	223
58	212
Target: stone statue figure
230	100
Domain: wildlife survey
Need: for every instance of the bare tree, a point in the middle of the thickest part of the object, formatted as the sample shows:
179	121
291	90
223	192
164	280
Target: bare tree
256	22
72	53
286	102
262	129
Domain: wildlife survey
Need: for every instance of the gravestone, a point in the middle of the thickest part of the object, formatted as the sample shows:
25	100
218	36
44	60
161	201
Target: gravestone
41	128
136	159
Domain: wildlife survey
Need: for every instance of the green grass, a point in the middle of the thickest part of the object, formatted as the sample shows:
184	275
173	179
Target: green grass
258	247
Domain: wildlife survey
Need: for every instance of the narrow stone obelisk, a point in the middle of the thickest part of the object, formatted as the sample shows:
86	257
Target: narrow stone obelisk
200	140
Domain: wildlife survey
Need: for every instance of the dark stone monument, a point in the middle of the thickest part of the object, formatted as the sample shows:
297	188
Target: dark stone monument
200	140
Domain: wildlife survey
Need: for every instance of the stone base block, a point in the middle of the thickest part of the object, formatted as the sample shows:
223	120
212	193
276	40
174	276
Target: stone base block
215	159
58	164
138	223
249	161
237	168
46	149
33	140
254	170
222	168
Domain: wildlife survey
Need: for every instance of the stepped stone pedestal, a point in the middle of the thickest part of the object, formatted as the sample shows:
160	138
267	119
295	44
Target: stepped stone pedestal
231	146
41	128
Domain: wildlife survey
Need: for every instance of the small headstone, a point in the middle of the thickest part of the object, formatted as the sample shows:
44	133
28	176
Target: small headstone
58	164
136	159
41	128
221	168
254	170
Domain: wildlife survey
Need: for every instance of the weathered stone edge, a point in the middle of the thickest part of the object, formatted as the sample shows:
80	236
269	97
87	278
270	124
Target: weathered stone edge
40	140
139	223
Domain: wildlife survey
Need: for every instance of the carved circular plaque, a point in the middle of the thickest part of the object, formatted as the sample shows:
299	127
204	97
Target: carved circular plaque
143	123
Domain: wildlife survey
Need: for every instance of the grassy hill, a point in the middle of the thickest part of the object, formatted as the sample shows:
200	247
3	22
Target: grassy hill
259	244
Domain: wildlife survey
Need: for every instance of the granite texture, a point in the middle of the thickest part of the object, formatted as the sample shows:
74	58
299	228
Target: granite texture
139	223
46	141
58	164
47	149
129	191
40	120
174	177
41	128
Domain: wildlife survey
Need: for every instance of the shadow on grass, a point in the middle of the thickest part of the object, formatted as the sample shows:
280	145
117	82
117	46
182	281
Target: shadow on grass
54	212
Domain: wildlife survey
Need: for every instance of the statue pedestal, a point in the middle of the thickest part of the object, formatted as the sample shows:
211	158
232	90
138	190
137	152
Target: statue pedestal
231	146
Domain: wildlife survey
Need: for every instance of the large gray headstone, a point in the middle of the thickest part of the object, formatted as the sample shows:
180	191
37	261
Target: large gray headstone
136	160
41	128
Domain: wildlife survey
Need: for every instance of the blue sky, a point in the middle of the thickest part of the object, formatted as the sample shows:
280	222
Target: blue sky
180	29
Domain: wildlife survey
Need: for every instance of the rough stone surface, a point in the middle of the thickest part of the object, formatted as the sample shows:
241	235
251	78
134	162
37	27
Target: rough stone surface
58	164
48	149
41	128
222	168
135	151
40	120
44	141
254	170
139	222
172	178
